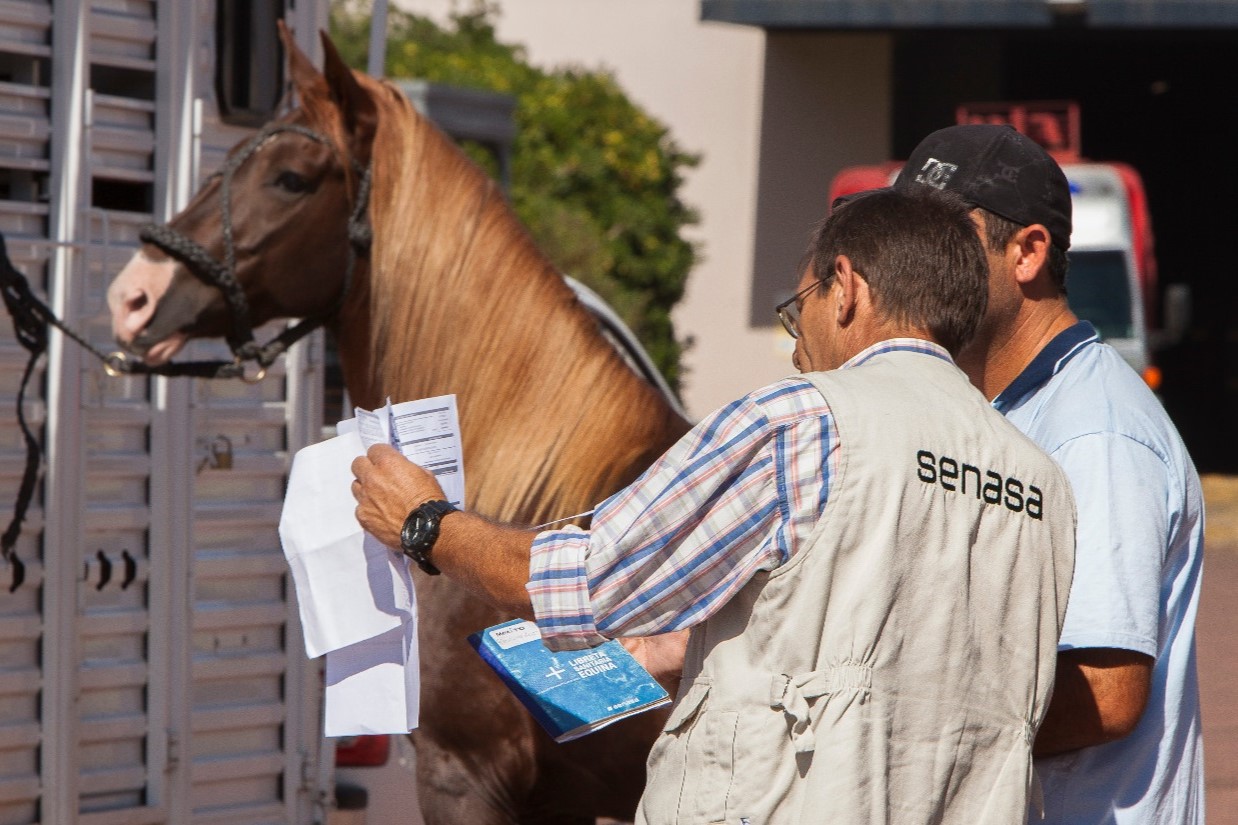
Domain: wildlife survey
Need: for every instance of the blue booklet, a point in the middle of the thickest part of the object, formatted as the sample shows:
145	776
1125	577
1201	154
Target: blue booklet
571	692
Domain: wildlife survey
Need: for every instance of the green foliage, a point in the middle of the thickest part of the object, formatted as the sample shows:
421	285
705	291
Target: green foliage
595	178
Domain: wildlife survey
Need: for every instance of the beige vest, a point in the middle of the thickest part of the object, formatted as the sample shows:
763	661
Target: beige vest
896	669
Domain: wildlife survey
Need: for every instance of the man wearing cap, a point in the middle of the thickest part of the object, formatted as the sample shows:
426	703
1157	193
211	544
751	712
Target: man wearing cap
873	562
1121	742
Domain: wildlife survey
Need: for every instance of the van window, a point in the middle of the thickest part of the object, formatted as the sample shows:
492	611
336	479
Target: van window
1098	290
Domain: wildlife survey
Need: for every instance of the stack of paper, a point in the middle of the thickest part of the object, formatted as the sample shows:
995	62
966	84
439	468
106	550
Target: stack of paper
356	597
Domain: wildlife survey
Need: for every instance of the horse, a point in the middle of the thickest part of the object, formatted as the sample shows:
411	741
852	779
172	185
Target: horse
452	296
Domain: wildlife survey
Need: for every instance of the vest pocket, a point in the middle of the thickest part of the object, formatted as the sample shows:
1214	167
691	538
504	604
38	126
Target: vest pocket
690	766
686	709
711	765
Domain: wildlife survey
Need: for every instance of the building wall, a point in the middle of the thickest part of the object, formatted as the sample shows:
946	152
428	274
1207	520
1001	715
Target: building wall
773	118
825	105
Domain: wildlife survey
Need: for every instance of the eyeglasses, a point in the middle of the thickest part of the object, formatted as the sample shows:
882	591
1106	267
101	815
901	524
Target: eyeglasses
789	310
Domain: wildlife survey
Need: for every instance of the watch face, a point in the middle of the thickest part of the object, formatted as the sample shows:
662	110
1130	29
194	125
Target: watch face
420	530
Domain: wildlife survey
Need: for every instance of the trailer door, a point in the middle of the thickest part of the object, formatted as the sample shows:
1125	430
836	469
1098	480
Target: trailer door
151	668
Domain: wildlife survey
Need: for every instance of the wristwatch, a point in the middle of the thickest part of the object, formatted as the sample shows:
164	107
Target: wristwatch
420	531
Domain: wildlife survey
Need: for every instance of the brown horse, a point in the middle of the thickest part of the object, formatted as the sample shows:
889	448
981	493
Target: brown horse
453	298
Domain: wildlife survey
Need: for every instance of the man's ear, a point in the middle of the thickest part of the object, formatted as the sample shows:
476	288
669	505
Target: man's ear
849	283
1031	245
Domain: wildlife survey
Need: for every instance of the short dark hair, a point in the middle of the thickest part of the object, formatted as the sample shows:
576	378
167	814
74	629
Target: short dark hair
999	231
920	255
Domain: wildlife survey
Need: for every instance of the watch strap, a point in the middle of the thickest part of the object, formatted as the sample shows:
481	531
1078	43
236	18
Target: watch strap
419	551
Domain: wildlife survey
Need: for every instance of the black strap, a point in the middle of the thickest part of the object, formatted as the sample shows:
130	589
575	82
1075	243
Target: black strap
30	323
221	274
214	273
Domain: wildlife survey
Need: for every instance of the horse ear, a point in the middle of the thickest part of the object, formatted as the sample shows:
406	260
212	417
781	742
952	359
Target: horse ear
355	104
307	80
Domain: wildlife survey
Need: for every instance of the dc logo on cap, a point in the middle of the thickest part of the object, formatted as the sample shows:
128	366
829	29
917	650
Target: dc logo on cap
936	173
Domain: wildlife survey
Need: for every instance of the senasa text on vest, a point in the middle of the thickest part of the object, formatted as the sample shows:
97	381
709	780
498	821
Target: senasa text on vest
994	488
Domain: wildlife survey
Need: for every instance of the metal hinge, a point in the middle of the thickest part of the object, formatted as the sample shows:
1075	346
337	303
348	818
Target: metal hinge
309	771
174	752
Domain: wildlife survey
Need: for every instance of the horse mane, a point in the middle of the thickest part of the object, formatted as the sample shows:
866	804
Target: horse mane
461	301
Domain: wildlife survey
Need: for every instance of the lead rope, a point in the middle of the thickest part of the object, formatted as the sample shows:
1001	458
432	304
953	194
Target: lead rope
30	322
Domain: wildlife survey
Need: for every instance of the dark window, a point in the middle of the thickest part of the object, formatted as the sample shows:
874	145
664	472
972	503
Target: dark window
1098	290
121	82
122	195
249	65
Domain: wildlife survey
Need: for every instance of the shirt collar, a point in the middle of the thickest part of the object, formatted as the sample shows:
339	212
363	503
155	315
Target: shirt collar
1047	363
898	345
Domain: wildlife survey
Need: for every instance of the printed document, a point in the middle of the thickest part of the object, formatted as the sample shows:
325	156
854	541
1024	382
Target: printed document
427	432
356	597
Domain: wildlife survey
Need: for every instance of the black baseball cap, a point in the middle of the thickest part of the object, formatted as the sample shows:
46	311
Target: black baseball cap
996	168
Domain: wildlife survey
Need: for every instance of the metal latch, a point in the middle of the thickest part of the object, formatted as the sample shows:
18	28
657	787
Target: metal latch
218	454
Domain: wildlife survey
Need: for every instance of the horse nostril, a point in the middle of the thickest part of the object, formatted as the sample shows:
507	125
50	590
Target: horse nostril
137	301
134	313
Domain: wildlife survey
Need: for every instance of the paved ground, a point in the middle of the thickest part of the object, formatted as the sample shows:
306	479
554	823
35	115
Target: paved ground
1218	650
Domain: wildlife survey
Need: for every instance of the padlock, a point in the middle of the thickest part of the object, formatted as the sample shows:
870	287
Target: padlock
221	453
218	454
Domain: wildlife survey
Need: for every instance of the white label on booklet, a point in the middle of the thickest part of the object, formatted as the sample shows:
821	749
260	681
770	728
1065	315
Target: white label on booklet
517	634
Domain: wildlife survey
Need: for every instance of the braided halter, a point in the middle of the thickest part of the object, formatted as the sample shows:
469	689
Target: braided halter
222	274
32	317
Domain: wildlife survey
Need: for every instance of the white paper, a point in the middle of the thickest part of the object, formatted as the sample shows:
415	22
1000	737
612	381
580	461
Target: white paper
427	432
373	426
373	686
349	586
356	597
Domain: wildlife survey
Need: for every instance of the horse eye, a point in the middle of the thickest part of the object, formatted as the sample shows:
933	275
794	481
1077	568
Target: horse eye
292	182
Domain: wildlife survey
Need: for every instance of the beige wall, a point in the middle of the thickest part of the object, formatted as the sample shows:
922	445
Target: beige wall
825	106
773	117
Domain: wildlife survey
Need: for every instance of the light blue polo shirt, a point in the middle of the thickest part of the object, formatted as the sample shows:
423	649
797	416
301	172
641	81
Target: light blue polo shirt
1137	575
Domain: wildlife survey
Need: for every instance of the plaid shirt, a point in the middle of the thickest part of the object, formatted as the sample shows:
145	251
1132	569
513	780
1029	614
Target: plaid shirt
738	494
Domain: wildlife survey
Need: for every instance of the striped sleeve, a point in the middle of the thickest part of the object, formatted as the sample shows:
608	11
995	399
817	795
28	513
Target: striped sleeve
736	495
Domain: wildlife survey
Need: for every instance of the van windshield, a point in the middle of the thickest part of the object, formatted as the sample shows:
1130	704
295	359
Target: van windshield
1098	290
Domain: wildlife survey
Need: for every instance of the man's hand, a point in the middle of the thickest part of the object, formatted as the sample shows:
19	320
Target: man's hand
490	560
387	488
661	655
1098	696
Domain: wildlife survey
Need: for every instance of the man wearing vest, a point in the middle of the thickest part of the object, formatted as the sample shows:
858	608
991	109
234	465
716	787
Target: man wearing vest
874	563
1121	742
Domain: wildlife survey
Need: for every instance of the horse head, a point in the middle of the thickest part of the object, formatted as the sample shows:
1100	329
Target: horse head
268	236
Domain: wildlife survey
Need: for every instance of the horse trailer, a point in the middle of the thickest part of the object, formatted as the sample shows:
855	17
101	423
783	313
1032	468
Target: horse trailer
151	663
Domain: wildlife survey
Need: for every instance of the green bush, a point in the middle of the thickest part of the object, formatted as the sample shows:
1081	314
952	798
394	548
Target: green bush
595	178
